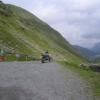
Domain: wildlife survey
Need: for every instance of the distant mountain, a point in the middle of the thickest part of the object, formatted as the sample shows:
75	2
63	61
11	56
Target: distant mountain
96	48
89	54
26	34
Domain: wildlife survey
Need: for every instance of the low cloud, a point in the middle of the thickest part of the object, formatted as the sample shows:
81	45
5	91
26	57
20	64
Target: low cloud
92	36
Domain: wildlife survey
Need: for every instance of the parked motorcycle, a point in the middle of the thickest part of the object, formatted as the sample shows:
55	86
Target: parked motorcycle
46	58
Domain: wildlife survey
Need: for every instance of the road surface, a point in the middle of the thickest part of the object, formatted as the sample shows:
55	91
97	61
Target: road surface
36	81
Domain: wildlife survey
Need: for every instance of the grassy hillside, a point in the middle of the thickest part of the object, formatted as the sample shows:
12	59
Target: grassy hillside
26	34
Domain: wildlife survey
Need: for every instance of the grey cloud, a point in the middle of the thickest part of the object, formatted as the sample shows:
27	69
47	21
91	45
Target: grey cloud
92	36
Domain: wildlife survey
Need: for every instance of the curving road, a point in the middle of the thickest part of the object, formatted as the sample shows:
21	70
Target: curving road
36	81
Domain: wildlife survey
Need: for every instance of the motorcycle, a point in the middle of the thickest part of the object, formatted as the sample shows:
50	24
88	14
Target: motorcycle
46	58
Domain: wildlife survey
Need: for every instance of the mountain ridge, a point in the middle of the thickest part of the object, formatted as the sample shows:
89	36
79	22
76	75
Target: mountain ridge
85	52
24	32
96	48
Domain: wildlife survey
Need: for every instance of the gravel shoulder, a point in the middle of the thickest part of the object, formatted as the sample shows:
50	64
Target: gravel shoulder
36	81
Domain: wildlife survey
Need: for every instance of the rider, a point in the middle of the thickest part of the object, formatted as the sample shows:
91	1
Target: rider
46	54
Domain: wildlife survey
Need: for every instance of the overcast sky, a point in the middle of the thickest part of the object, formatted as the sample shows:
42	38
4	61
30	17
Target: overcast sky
77	20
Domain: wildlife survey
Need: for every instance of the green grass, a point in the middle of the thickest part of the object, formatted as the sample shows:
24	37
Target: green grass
23	58
32	36
93	78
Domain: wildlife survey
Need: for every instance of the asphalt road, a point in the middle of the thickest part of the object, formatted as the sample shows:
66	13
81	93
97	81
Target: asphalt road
36	81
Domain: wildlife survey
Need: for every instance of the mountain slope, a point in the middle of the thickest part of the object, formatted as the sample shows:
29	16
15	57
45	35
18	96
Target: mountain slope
96	48
87	53
25	33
